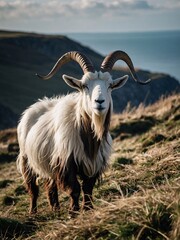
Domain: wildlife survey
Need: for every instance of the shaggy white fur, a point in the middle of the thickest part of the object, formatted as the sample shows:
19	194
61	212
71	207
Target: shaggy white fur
49	130
53	132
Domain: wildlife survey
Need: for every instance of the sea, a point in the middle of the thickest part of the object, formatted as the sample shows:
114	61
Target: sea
153	51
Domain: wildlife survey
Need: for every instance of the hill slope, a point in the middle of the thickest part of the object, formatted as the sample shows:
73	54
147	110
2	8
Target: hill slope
24	54
139	194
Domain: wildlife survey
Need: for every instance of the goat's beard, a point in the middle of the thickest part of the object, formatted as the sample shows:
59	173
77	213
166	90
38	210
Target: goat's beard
98	125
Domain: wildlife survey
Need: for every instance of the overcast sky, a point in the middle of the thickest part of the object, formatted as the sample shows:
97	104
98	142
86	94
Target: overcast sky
61	16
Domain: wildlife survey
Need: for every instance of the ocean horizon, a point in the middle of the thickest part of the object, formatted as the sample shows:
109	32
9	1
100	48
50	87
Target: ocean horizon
156	51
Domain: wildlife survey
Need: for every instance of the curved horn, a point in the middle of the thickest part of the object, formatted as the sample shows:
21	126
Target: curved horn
78	57
113	57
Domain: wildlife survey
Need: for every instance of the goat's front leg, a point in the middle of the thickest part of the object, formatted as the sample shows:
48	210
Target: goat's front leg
52	194
74	193
87	187
71	183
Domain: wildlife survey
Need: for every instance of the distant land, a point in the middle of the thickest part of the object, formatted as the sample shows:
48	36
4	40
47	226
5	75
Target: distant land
157	51
24	54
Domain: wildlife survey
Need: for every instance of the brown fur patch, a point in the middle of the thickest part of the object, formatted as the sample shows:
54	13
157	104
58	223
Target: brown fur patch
90	141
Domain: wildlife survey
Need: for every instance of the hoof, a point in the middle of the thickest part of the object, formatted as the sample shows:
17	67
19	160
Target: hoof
74	208
33	211
74	211
88	206
55	208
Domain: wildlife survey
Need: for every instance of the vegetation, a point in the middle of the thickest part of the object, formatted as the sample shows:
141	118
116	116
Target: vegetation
139	197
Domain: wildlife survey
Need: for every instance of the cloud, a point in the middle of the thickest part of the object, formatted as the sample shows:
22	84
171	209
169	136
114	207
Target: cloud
11	9
165	4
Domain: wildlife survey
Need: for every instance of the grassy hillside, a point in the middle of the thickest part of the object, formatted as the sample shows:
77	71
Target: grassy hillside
139	197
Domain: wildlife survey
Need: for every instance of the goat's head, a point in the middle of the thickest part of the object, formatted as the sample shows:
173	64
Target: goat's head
94	86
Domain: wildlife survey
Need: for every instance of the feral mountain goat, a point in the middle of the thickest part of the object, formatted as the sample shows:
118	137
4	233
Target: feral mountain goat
65	137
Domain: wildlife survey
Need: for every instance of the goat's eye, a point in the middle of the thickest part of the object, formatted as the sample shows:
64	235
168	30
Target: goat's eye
85	87
110	86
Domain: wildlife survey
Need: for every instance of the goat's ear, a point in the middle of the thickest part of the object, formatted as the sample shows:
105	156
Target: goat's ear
119	82
72	82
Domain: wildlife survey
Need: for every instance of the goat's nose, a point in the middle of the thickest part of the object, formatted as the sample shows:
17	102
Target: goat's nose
99	101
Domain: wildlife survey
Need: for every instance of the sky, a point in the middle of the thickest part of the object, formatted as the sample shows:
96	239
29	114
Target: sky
63	16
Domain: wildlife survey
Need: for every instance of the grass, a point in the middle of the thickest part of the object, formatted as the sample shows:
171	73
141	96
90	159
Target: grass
139	197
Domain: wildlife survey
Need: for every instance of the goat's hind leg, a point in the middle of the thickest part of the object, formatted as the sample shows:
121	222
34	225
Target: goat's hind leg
31	185
52	194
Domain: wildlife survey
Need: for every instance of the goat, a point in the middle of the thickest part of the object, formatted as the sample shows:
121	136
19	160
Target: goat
65	137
